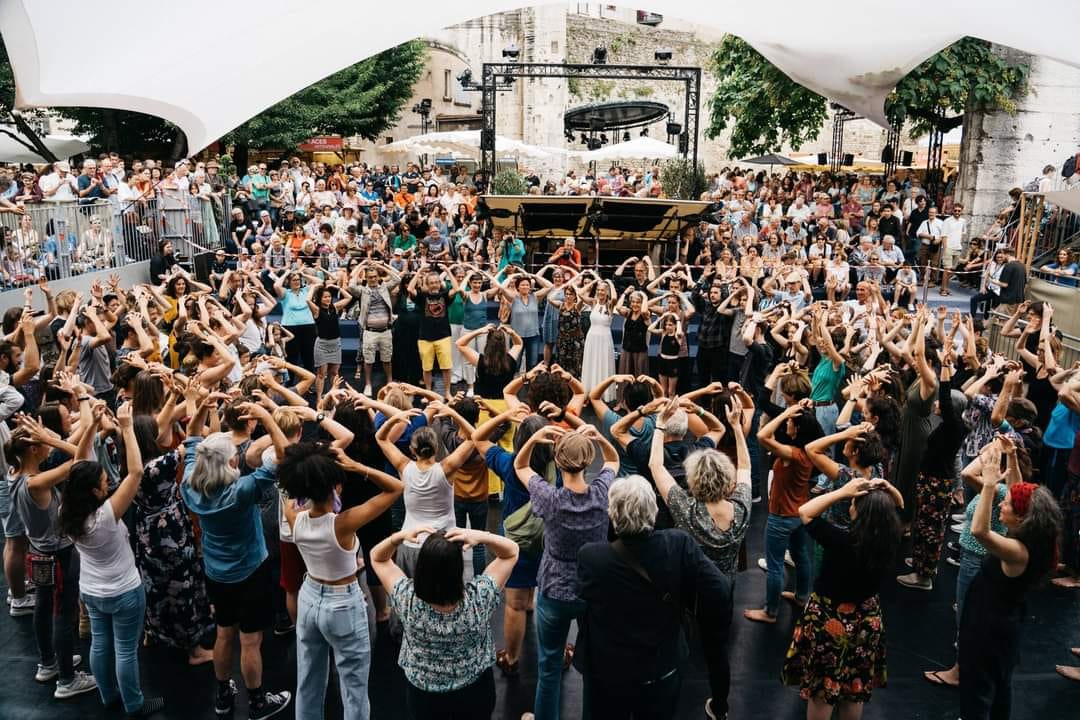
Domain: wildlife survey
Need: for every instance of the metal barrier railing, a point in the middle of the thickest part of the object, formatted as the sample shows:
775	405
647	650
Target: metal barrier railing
66	239
1070	345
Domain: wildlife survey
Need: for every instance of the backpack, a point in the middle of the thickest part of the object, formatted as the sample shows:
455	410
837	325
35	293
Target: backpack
525	528
1033	185
1068	169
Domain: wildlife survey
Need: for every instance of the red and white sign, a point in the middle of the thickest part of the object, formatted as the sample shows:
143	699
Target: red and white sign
323	143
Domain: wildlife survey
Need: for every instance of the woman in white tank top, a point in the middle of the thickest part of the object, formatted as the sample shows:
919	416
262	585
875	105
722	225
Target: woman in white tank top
331	612
429	492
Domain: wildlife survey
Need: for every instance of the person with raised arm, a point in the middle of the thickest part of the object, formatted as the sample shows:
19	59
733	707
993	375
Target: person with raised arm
331	598
573	515
837	653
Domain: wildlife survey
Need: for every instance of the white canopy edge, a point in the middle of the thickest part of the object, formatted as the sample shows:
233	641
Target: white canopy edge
188	74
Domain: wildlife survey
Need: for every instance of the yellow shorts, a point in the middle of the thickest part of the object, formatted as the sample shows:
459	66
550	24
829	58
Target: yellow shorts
432	350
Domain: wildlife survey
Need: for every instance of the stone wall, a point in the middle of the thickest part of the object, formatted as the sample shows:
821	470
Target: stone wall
1001	151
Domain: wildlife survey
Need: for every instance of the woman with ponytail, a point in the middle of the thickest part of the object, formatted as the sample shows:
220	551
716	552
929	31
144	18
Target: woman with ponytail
109	581
994	608
53	559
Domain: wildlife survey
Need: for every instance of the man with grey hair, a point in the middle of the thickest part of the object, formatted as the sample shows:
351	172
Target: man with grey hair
685	426
636	590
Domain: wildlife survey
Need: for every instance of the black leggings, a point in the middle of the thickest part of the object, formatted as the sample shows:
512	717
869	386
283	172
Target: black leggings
56	636
301	349
475	701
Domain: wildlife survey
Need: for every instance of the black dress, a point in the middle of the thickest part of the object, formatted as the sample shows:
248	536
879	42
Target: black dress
406	331
989	640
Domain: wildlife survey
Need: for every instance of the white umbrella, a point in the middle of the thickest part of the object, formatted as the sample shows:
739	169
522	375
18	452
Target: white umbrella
62	146
467	142
641	148
859	74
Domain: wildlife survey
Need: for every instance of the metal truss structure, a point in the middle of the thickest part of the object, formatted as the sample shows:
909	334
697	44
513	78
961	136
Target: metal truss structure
496	75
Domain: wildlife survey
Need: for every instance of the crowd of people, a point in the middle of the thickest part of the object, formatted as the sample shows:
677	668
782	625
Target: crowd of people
185	463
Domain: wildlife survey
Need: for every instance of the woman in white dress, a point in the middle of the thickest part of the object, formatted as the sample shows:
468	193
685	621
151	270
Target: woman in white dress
598	361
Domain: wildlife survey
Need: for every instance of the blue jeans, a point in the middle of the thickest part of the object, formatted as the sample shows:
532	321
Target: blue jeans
552	627
116	624
782	533
332	617
531	352
826	416
476	511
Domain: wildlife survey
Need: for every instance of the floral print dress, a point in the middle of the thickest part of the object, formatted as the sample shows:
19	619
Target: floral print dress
570	344
169	559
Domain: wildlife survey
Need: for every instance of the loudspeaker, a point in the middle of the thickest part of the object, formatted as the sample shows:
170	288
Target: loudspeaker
849	159
887	154
906	158
822	159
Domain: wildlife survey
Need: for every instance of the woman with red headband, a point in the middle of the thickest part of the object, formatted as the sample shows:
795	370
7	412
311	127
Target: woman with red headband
994	608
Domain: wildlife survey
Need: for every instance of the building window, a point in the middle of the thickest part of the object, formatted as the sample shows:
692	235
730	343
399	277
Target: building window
446	80
389	139
554	47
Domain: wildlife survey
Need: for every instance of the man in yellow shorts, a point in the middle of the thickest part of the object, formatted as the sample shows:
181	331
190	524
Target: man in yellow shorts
432	298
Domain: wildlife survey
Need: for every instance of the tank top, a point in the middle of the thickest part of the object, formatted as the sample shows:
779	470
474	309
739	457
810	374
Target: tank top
634	335
42	529
429	498
318	545
327	324
524	318
475	314
669	346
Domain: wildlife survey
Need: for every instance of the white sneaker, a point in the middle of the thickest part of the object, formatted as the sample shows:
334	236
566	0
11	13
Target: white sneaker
469	392
82	683
45	673
367	390
22	606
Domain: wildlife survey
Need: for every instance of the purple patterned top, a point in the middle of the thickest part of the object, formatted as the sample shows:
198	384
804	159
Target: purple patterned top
570	521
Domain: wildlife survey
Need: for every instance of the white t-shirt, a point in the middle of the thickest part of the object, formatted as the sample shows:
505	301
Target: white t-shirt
107	564
954	229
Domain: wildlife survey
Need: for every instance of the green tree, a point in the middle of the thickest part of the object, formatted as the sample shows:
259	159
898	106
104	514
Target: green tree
363	99
681	180
766	109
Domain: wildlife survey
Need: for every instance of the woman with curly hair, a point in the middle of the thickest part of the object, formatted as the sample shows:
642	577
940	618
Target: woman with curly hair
837	653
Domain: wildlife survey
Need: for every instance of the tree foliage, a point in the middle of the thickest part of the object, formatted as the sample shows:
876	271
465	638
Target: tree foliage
681	180
363	99
967	75
509	182
766	109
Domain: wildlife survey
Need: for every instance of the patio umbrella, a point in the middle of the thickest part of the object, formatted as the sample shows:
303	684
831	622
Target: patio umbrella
770	160
641	148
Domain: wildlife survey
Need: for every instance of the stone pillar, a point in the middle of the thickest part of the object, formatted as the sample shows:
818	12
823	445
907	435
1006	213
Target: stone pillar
1000	151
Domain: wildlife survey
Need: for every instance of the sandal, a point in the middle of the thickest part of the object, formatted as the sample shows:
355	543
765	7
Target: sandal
568	656
502	661
934	678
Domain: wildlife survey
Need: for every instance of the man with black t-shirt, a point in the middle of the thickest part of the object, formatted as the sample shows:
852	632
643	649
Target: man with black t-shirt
412	180
434	344
1012	281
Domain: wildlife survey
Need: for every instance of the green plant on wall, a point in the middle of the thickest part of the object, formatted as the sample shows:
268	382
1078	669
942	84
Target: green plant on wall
573	86
600	90
643	91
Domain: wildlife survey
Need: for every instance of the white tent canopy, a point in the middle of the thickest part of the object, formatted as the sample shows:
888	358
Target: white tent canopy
208	94
641	148
467	142
62	146
1068	199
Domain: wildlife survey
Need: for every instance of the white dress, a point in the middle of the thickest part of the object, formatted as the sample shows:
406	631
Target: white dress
598	359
